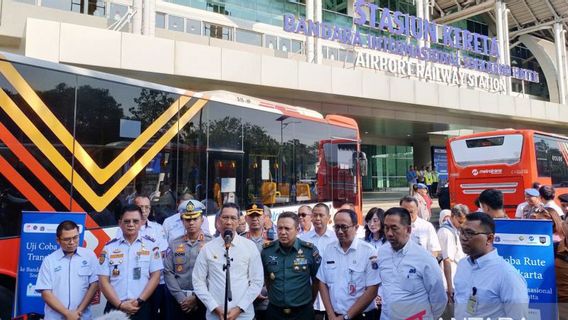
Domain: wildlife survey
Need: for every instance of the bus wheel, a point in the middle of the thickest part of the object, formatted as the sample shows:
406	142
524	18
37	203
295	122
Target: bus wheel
6	299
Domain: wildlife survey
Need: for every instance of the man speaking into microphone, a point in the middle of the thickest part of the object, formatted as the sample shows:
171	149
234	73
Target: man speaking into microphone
246	273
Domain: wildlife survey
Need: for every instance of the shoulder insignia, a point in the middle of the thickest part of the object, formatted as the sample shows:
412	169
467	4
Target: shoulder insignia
147	237
156	251
102	257
111	241
306	244
268	244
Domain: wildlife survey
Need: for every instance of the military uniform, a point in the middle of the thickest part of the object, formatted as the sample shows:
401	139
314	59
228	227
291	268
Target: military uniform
129	267
178	268
289	276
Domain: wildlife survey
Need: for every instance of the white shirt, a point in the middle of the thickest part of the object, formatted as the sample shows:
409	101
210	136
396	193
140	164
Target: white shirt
173	227
155	231
500	290
519	211
412	283
118	254
247	276
424	234
321	242
553	205
68	278
451	246
344	271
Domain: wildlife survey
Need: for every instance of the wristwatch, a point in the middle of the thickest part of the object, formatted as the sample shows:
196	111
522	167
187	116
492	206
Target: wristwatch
346	317
140	302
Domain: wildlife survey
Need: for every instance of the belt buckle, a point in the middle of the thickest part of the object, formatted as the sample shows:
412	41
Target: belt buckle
287	310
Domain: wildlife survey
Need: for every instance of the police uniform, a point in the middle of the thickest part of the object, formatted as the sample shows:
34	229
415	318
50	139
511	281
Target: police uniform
173	227
178	268
69	278
289	276
129	267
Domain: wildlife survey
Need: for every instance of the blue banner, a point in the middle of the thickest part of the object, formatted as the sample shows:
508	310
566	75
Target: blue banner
38	240
440	161
528	246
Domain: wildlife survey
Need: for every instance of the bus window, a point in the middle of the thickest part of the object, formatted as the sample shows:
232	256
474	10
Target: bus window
110	116
29	181
551	159
504	149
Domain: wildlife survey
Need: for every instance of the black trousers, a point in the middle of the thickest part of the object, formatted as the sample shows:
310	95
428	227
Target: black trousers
144	313
320	315
162	303
305	312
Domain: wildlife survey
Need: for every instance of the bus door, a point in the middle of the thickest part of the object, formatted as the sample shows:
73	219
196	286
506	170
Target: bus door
224	177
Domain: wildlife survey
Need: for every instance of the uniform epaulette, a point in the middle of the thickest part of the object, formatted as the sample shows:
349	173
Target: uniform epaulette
111	241
269	244
147	237
306	244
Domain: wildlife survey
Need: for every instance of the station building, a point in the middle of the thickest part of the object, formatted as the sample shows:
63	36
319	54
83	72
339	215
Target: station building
411	72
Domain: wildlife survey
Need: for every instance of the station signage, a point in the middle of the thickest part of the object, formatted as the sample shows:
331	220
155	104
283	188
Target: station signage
449	55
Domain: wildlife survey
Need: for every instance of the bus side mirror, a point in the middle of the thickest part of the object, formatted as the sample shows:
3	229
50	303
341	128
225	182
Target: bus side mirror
360	159
363	163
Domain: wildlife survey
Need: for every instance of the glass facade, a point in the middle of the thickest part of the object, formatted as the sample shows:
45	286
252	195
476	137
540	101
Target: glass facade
387	166
521	57
264	11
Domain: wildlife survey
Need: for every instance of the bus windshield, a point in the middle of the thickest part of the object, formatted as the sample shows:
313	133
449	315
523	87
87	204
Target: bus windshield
505	149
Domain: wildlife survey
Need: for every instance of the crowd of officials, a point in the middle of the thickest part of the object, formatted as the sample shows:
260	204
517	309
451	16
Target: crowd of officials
302	266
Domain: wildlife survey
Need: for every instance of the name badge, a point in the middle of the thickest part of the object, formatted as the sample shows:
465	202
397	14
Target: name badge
137	273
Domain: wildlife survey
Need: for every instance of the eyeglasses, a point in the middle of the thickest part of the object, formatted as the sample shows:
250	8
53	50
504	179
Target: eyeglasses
70	239
468	234
302	215
230	218
132	221
342	227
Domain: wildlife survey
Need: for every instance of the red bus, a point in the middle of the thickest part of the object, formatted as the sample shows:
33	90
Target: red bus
73	139
508	160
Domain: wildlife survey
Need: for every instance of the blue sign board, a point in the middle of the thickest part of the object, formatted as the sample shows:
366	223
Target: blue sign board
528	246
38	240
440	161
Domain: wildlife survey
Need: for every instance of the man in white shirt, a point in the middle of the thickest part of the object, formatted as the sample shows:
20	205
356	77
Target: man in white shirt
130	267
321	236
491	202
348	272
411	279
487	286
423	232
452	252
305	215
67	278
547	194
246	272
154	230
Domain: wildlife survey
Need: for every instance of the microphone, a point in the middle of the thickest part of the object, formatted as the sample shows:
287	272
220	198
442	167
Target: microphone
228	237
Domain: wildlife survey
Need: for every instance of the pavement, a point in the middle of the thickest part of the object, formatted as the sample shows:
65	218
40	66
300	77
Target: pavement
389	199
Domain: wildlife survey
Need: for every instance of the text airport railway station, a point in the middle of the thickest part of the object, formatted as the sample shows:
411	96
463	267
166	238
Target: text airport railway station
410	76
